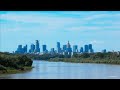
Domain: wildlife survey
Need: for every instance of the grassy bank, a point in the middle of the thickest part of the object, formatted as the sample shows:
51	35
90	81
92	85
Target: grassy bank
13	71
10	63
87	60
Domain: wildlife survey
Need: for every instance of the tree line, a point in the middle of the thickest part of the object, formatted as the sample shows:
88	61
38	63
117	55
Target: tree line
99	57
10	61
93	56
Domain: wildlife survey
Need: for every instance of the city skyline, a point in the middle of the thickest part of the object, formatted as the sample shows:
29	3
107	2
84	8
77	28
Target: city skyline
65	49
100	28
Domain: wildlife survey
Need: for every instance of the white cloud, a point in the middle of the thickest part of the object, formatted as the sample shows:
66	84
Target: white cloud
52	22
96	42
33	18
110	22
101	16
49	22
83	28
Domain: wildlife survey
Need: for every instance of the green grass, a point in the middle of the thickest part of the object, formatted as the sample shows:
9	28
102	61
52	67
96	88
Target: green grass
13	71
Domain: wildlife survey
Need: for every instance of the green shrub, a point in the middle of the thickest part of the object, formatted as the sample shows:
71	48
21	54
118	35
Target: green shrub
2	67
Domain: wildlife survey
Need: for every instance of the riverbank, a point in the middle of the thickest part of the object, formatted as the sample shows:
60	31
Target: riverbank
11	63
59	70
98	57
14	71
77	60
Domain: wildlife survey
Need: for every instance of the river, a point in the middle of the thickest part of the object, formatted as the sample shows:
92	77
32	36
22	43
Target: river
63	70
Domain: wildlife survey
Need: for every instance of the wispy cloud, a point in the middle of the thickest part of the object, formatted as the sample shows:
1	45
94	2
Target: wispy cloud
98	16
54	22
49	22
37	18
83	28
96	42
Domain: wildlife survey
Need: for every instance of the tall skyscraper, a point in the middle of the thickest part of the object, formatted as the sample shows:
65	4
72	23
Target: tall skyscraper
86	48
90	48
37	50
58	44
64	48
75	48
81	50
52	51
69	49
44	48
32	48
58	47
19	49
68	45
25	49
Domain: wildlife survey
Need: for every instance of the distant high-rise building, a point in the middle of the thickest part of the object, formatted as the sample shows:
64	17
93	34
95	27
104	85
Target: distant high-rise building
58	47
75	48
86	48
25	49
19	49
81	50
90	48
64	48
32	49
68	45
58	44
52	51
44	48
69	49
104	51
37	50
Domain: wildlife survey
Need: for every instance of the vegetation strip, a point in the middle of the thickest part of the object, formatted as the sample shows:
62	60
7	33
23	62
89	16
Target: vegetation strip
11	63
106	58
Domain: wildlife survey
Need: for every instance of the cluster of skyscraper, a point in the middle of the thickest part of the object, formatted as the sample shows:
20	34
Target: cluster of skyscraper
21	50
35	48
88	49
65	50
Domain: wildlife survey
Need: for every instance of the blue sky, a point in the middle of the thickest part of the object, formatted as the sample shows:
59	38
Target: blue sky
101	28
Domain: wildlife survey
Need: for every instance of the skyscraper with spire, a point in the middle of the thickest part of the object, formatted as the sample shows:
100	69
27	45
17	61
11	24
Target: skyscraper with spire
69	49
37	50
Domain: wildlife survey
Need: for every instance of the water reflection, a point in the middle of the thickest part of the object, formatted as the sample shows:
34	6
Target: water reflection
61	70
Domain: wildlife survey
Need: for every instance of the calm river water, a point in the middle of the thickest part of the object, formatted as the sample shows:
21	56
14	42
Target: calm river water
62	70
